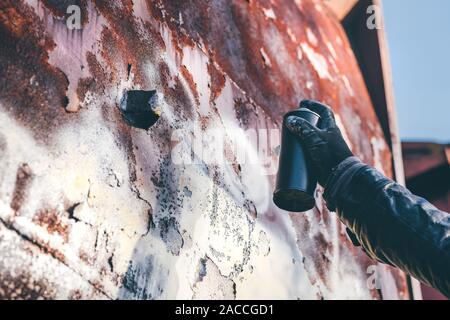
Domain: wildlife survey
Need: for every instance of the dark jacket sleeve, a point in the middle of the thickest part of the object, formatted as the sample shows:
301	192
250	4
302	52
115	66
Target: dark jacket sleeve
393	225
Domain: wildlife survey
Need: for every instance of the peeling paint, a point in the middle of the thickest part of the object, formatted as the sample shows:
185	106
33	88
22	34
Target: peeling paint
265	57
269	13
311	37
318	61
86	198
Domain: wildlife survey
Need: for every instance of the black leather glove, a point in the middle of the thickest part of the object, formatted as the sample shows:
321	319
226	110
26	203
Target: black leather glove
325	145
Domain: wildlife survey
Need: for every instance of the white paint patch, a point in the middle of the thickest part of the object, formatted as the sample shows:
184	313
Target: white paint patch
180	19
318	61
299	53
76	177
312	39
213	285
22	259
291	35
378	147
342	268
299	3
140	10
388	283
348	86
332	51
269	13
173	61
265	57
197	63
279	53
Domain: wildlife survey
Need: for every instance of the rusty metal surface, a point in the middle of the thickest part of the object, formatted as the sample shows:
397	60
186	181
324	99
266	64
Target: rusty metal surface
92	208
421	157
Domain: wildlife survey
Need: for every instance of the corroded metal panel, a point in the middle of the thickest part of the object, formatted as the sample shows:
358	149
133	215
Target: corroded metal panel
93	208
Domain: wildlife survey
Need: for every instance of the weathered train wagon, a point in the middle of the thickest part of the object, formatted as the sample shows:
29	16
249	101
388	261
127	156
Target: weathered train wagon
92	207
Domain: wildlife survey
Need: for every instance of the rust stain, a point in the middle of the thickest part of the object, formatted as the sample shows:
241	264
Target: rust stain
190	80
23	178
23	287
52	221
217	82
97	82
263	56
76	295
33	90
86	258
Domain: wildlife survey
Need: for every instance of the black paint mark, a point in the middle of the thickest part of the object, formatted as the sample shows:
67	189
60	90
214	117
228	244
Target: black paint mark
110	263
129	71
140	108
23	179
71	211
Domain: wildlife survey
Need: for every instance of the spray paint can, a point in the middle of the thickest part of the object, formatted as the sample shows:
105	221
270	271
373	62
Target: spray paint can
296	181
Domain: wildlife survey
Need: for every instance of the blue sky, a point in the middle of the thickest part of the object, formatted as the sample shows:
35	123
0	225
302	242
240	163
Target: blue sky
418	35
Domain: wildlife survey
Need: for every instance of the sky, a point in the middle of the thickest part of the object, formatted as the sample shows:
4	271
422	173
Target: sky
418	33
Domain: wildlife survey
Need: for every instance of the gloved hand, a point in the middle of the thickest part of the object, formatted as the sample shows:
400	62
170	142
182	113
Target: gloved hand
325	145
